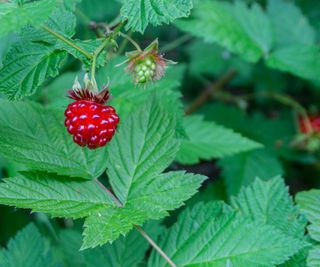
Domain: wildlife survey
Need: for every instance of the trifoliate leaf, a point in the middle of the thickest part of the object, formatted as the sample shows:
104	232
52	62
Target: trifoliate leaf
214	235
60	196
207	140
141	13
37	138
144	146
241	170
14	16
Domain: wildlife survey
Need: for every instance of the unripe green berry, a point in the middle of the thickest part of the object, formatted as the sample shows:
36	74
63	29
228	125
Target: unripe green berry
148	62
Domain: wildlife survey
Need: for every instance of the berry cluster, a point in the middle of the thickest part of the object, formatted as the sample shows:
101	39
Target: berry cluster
144	71
90	122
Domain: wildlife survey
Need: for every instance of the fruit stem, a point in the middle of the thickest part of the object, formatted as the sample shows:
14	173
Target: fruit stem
138	228
68	42
133	42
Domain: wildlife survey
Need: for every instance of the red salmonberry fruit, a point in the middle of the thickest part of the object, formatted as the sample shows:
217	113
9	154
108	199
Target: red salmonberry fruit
312	125
91	123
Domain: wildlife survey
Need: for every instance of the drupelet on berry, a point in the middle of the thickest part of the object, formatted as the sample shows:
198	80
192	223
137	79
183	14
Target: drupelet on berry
91	123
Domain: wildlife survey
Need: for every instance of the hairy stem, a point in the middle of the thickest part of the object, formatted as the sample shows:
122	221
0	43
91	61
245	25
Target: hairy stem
138	228
68	42
199	101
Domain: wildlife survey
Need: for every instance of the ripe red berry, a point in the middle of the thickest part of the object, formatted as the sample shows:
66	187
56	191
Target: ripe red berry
314	122
90	122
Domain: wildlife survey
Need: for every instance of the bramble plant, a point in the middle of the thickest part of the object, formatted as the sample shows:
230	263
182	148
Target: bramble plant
157	133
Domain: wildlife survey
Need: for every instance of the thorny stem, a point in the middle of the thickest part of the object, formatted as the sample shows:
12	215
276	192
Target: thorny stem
68	42
138	228
199	101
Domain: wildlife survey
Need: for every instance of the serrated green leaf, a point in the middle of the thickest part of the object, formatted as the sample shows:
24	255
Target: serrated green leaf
149	199
28	249
213	235
13	16
60	21
308	202
269	202
243	31
300	60
60	196
142	149
143	12
207	140
144	146
119	253
26	67
314	230
290	21
43	143
314	257
242	169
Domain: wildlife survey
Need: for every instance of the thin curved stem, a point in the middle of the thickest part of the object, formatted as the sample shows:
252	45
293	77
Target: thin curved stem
155	246
176	43
138	228
133	42
68	42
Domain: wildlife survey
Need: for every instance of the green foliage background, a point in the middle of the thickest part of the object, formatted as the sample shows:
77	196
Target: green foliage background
223	185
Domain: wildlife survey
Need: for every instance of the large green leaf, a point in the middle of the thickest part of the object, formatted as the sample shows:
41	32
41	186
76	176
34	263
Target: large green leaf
61	196
244	31
207	140
269	202
28	249
27	66
290	21
214	235
156	12
300	60
37	56
241	170
144	147
36	137
14	16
